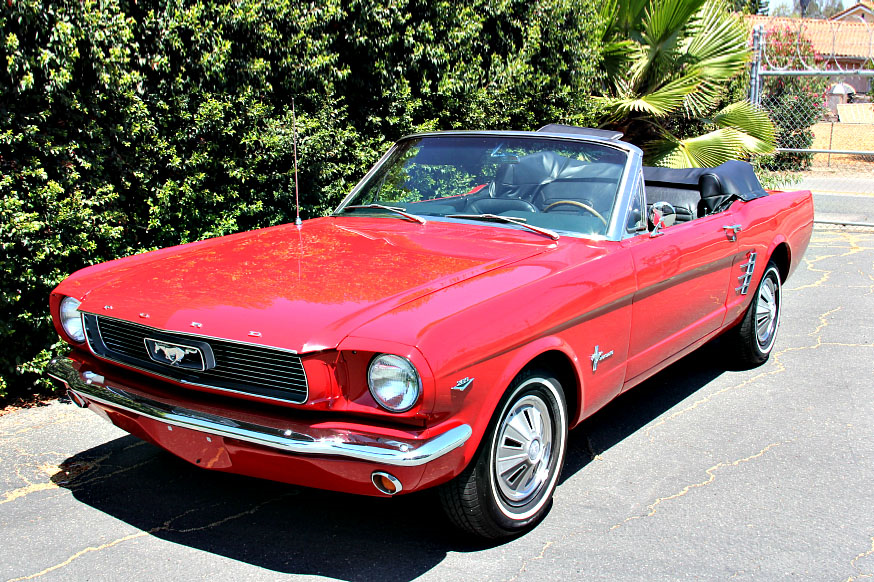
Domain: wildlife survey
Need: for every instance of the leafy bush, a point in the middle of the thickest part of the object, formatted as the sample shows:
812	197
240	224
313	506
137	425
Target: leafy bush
128	125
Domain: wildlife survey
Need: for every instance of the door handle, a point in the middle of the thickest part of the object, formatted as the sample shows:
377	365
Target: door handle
731	231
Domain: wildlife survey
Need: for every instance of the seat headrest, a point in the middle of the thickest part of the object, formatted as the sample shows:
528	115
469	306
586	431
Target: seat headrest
733	179
532	169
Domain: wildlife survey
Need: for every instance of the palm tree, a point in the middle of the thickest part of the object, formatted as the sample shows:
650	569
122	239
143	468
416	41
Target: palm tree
667	67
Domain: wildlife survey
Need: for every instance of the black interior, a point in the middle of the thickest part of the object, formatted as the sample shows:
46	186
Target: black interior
696	192
546	177
531	186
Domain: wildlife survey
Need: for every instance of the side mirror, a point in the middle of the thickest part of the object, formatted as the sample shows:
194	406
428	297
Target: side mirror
661	215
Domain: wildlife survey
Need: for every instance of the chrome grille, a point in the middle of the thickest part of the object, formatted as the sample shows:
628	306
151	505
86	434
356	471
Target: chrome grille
247	368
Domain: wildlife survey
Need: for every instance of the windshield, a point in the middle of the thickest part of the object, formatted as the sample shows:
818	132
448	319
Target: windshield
563	185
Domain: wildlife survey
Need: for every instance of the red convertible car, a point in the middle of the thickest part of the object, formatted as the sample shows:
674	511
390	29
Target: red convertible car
476	296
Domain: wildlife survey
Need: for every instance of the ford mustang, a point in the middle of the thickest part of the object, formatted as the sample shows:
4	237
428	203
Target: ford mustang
474	297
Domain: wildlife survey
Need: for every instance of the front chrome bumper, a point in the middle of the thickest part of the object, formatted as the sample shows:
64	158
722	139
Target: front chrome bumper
85	386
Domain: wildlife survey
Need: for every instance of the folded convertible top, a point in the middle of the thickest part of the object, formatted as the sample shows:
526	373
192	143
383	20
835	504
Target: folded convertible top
733	179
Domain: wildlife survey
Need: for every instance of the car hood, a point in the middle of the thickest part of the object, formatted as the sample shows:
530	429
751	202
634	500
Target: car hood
302	289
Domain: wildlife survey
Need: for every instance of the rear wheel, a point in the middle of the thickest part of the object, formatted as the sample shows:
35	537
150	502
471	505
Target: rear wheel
509	484
753	338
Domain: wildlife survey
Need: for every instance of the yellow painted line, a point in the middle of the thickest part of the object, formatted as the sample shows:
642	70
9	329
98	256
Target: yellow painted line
26	490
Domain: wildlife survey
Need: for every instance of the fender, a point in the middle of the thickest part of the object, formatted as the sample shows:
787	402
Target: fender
764	238
772	249
511	364
531	351
413	354
488	390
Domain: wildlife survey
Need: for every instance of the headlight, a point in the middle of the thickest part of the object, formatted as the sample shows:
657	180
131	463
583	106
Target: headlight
71	319
394	382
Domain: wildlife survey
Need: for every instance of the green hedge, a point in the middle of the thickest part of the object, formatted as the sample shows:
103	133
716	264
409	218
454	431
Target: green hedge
132	125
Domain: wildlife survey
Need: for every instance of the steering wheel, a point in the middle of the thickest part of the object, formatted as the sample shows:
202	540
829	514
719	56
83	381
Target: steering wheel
585	207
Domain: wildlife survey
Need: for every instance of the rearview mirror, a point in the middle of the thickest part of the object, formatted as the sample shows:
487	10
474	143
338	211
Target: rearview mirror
661	215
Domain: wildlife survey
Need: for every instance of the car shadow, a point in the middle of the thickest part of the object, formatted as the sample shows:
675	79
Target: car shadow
630	411
292	529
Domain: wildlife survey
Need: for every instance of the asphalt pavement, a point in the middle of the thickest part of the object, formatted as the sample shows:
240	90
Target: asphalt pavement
838	182
843	207
701	473
841	198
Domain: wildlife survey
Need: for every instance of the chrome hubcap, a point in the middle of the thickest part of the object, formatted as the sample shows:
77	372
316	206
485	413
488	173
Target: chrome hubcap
523	449
766	312
534	451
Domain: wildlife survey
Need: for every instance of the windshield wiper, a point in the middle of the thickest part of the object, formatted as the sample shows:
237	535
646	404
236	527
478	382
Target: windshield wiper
509	219
394	209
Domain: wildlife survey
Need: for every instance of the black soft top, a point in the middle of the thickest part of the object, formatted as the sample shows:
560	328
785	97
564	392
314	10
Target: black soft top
733	178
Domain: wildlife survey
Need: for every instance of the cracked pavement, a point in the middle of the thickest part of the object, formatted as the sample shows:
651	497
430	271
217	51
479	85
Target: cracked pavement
700	473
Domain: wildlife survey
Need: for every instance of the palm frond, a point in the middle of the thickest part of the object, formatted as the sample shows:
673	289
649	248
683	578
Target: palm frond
720	39
675	61
703	151
660	103
616	57
665	24
716	53
665	20
625	16
752	121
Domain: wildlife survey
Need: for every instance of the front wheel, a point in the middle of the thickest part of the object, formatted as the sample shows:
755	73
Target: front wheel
754	337
509	484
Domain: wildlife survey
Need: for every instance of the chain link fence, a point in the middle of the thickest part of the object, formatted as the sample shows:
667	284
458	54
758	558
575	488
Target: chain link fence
821	105
827	153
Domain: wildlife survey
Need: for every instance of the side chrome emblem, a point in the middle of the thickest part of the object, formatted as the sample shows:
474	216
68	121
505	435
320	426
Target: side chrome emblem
188	357
463	384
599	356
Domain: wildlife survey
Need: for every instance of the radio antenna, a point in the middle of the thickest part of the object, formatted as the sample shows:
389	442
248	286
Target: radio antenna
297	221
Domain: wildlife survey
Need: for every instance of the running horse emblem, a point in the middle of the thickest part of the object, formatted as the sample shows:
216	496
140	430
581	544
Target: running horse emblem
174	354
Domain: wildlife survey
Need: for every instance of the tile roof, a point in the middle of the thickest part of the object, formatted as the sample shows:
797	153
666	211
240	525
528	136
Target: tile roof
830	38
864	5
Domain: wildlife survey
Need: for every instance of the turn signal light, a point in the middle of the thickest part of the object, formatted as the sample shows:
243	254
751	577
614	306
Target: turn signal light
386	483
